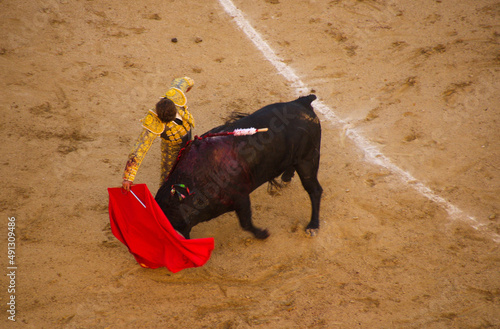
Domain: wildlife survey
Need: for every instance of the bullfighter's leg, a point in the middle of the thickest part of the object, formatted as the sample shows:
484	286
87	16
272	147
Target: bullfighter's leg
169	153
308	172
244	213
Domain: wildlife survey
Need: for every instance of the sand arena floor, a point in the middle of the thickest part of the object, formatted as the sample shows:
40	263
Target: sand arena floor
419	80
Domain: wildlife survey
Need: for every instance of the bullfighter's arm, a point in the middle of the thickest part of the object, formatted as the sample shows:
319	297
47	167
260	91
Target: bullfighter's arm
152	128
176	93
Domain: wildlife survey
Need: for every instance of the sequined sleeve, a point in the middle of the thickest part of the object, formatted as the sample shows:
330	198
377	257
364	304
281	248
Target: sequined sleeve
138	153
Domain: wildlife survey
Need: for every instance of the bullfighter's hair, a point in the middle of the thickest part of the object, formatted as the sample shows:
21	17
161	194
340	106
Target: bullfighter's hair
166	110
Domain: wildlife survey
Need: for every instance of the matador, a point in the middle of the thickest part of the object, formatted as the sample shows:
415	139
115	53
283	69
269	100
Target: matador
171	121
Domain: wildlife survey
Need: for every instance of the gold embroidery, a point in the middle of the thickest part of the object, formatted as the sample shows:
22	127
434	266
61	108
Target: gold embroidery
152	123
138	153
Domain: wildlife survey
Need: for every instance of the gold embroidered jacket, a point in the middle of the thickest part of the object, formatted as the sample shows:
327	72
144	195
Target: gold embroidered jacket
171	132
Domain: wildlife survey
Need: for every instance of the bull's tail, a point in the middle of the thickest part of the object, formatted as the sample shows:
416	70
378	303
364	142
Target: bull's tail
306	101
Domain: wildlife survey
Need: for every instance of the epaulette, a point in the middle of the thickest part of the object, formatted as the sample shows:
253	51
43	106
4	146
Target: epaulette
176	96
152	123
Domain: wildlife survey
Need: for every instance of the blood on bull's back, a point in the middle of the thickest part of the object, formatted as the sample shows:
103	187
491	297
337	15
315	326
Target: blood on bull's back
215	175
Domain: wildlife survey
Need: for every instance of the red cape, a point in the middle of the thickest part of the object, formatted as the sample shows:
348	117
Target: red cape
149	235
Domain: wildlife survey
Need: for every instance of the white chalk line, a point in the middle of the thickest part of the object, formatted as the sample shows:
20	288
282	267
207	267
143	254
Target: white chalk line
371	151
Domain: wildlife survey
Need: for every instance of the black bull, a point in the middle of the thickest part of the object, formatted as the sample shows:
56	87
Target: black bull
215	175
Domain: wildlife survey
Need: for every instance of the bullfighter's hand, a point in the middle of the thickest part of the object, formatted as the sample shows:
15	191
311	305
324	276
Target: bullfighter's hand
126	185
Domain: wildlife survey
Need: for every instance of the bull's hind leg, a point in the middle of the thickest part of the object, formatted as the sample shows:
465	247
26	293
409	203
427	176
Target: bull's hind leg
308	173
244	213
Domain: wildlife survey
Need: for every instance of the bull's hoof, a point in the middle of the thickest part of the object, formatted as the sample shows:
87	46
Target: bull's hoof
261	234
312	231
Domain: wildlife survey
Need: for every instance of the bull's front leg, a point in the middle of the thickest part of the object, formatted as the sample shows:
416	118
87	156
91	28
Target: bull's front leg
244	212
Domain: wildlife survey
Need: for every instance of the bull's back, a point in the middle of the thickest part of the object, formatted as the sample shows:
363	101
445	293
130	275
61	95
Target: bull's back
293	129
250	161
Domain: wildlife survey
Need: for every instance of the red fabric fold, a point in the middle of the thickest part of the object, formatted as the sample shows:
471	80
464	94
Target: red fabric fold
148	234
